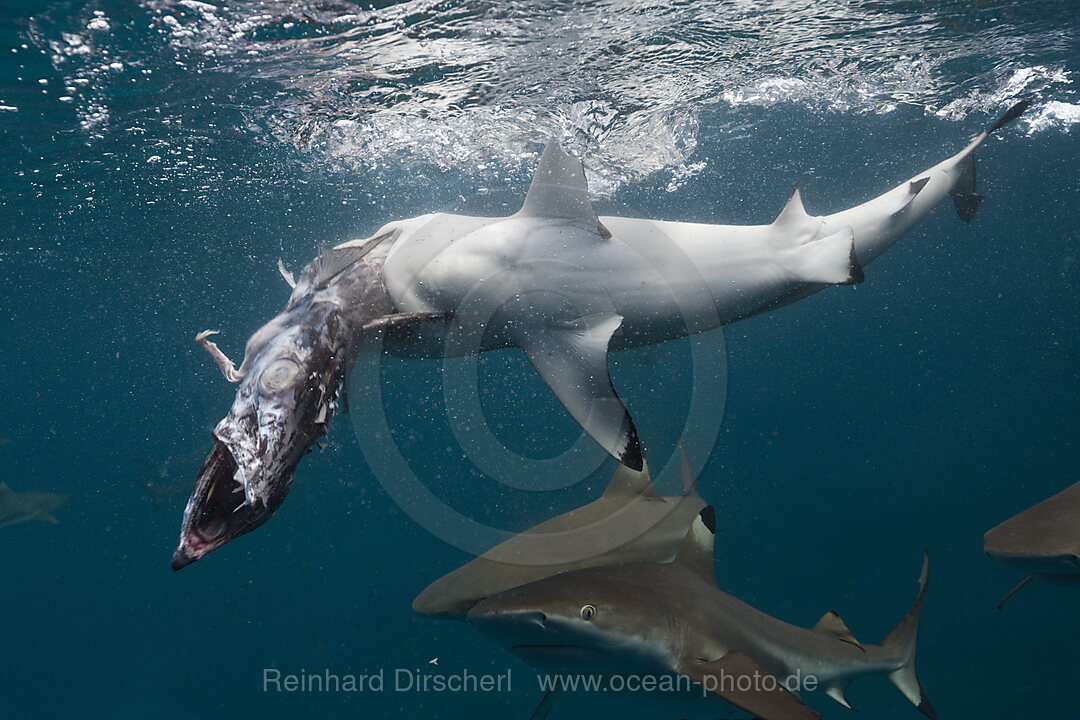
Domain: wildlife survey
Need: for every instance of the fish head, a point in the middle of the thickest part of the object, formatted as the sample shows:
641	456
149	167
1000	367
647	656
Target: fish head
291	375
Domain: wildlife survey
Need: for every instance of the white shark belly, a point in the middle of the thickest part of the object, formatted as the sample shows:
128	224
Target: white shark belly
665	279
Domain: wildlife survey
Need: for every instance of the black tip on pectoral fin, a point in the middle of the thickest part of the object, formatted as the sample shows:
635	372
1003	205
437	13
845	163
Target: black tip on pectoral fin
857	275
927	709
631	456
708	516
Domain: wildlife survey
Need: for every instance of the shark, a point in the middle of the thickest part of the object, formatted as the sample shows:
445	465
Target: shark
18	508
670	619
555	280
629	522
1043	541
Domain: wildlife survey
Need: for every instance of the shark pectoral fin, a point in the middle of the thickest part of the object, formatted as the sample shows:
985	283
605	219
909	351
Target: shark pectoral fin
627	484
830	624
559	190
572	359
830	260
544	707
741	682
46	517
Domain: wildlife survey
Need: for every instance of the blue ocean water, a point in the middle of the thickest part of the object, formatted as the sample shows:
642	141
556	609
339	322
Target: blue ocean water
161	156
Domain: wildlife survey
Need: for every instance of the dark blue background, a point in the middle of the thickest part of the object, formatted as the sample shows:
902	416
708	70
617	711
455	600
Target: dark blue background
916	410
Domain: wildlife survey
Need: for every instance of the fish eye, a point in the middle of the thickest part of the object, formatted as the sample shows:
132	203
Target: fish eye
278	375
588	612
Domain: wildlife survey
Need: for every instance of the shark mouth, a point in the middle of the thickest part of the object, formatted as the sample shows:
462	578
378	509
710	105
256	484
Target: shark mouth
218	510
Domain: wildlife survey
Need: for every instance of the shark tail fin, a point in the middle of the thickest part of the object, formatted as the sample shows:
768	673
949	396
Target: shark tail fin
965	199
902	641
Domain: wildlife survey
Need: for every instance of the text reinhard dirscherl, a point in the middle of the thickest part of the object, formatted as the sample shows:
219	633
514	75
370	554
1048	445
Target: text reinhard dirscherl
415	680
399	680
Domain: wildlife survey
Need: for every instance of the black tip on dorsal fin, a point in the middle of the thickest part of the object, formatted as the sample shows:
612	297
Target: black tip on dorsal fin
831	624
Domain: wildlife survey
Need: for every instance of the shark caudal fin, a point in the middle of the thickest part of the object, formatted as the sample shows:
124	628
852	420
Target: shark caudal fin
963	194
902	641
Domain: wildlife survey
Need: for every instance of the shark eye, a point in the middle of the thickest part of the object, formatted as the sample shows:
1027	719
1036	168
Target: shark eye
588	612
280	373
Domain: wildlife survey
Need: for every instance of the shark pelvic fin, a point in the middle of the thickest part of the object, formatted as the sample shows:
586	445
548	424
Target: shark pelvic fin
559	190
627	484
831	624
902	641
546	704
46	517
829	260
793	214
1015	590
838	693
696	552
572	359
765	700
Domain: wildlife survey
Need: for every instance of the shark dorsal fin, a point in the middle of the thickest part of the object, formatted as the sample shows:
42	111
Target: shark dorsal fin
696	553
559	189
831	624
5	490
627	484
794	213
